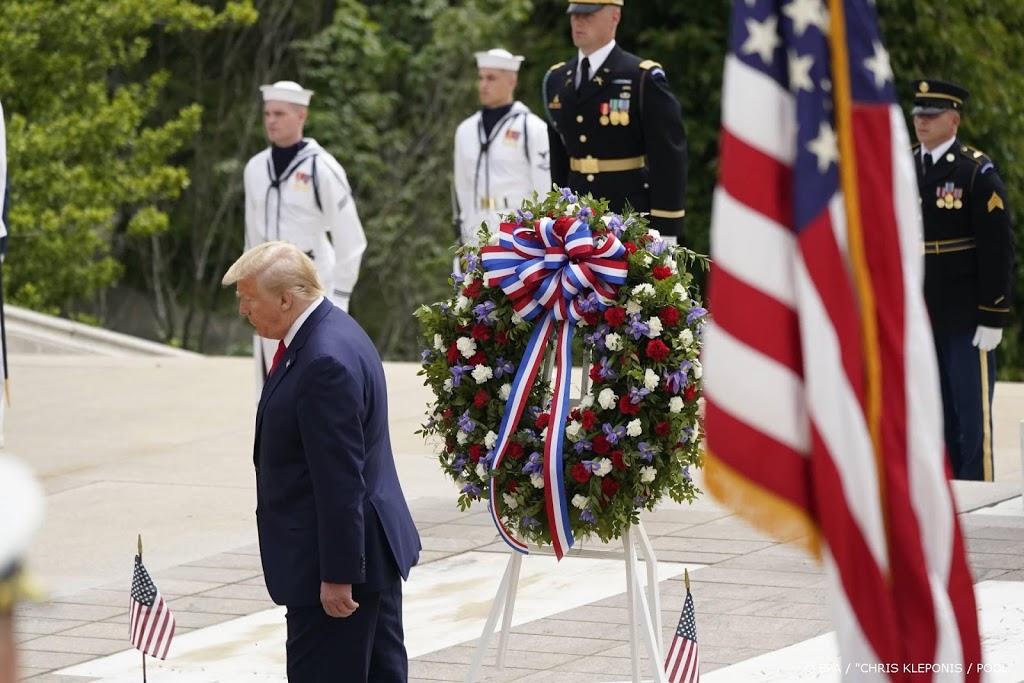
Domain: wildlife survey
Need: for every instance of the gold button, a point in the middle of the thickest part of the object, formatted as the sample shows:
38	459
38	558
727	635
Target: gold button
590	178
583	138
579	118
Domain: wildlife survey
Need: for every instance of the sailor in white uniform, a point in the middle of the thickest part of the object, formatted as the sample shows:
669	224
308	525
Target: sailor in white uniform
501	151
297	192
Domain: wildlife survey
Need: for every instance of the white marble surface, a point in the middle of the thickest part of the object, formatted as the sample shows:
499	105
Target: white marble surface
1013	507
446	603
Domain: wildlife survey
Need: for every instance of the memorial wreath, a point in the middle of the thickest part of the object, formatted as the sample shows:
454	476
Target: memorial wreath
554	472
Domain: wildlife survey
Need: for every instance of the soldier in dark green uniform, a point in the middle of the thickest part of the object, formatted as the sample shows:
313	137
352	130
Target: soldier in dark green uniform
968	246
616	130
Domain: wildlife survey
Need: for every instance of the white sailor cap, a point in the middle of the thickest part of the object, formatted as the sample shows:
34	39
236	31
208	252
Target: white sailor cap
286	91
21	512
498	59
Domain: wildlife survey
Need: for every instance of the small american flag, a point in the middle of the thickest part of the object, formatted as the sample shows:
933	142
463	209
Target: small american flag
682	664
150	622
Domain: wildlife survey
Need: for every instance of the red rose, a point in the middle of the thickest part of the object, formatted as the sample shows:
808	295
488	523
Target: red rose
473	291
564	223
609	487
628	407
512	486
588	419
669	316
481	332
574	414
453	354
662	428
656	350
592	317
615	316
595	374
479	358
515	450
617	460
647	237
501	337
481	399
447	412
662	272
630	247
476	451
580	473
601	445
690	392
449	446
543	420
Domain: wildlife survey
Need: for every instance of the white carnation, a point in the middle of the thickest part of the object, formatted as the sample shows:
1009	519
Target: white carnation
675	405
647	474
466	346
580	501
573	430
482	373
537	480
462	437
468	280
607	399
686	336
505	390
448	385
481	470
695	433
490	440
644	290
651	379
516	318
572	209
632	307
646	260
633	428
604	467
438	342
656	234
655	325
462	304
587	401
510	501
613	341
698	370
679	291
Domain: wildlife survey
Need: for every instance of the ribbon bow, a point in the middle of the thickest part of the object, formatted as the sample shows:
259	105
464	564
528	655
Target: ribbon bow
548	270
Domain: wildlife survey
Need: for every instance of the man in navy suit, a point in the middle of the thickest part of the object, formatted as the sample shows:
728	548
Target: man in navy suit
336	536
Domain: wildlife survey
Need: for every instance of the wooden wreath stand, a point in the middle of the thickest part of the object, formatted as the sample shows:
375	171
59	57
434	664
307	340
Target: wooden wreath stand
644	604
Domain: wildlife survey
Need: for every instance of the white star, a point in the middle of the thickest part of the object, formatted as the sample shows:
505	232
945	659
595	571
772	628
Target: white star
879	65
824	147
805	13
763	38
800	72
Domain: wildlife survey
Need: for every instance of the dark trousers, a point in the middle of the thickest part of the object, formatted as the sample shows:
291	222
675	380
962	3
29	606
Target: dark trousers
367	647
968	379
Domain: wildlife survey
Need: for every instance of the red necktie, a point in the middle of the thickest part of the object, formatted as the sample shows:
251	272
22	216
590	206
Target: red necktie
277	356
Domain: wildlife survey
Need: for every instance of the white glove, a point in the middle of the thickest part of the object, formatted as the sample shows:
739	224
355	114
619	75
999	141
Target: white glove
987	338
341	301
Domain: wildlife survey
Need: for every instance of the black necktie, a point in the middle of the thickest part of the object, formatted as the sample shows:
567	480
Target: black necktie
584	73
927	162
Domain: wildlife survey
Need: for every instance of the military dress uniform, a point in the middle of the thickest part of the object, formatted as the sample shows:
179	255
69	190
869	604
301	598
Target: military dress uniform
620	136
968	247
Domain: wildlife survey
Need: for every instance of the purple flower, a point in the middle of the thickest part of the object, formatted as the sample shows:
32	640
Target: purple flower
460	461
587	303
646	451
466	423
639	500
595	339
615	225
444	304
605	369
457	372
591	465
567	196
483	312
503	367
583	445
678	380
425	356
535	465
686	473
637	328
656	247
587	516
613	433
694	314
457	279
523	216
528	522
637	394
471	261
471	489
431	423
584	214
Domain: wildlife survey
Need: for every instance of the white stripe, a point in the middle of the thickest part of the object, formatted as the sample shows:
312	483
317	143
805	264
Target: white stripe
758	111
930	494
753	248
836	412
854	647
772	399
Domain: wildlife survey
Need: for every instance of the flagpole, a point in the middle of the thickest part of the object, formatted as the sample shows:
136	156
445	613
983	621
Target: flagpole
143	653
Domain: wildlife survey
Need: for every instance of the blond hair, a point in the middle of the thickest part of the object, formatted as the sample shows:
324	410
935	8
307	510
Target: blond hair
277	267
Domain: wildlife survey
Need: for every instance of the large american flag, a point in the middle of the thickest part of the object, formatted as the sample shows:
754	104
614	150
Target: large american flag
150	622
682	665
823	418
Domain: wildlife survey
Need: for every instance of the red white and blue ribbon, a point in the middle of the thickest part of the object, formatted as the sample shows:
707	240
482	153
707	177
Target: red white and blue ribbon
547	269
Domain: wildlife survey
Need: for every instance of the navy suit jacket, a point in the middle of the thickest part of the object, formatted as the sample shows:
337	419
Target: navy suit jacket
329	505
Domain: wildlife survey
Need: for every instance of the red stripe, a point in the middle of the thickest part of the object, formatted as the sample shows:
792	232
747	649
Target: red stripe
748	314
777	467
756	179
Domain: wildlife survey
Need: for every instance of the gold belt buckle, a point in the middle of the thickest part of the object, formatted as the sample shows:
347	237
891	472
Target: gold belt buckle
589	165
